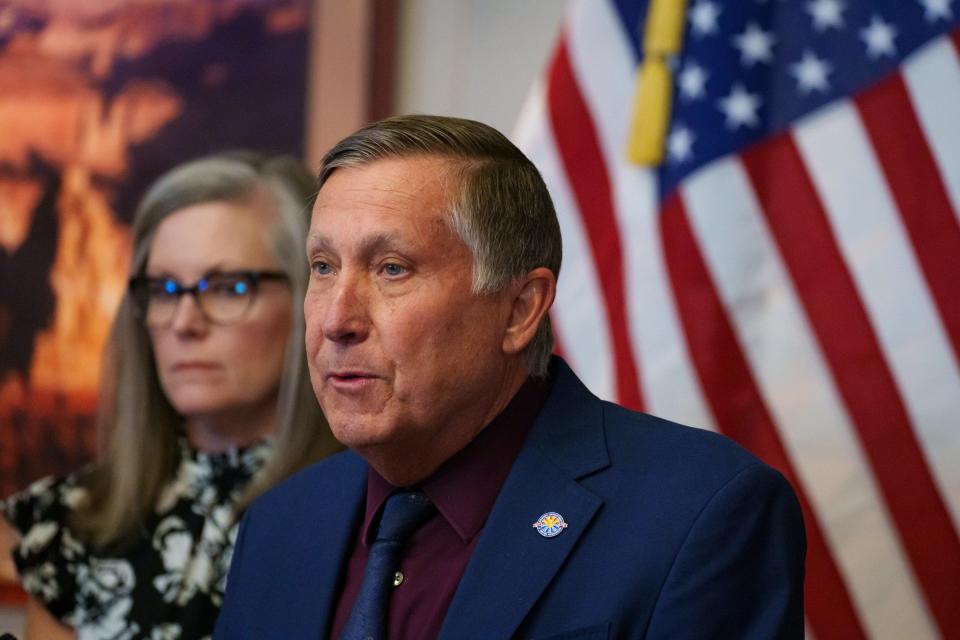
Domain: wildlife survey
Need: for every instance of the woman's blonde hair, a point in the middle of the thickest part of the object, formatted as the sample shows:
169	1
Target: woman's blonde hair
137	426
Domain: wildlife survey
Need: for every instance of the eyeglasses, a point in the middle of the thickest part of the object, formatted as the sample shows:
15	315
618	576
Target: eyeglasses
221	297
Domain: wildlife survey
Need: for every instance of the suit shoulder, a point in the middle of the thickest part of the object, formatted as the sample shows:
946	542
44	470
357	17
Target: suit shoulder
650	444
327	477
635	440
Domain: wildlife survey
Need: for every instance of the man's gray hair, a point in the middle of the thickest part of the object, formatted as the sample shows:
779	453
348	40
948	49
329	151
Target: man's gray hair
502	210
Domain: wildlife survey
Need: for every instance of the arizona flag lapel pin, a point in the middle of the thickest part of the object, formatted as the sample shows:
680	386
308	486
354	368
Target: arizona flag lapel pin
550	524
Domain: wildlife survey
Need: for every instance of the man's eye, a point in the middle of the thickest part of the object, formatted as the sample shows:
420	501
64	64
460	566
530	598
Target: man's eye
393	269
321	268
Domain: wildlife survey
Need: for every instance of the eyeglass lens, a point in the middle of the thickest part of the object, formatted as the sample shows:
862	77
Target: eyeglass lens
221	298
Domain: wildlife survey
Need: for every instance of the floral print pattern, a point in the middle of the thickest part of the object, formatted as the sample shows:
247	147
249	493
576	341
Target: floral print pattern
169	584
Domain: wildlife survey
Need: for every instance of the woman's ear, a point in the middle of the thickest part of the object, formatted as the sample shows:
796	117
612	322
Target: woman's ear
532	297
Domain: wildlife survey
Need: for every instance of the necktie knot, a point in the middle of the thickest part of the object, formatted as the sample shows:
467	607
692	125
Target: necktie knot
404	512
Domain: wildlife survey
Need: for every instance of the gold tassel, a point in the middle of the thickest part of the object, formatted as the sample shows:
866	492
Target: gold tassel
662	38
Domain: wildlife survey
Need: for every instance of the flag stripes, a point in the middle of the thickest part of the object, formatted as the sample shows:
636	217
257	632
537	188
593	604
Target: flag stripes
794	382
850	347
741	413
933	80
799	297
580	333
883	261
587	173
670	386
911	171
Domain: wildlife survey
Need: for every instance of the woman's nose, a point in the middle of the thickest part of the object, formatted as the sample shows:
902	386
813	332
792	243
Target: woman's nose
188	317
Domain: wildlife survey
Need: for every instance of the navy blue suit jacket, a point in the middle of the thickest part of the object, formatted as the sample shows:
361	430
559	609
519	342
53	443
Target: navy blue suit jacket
673	533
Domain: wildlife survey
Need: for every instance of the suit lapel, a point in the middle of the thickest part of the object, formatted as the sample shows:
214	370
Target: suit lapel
513	564
335	522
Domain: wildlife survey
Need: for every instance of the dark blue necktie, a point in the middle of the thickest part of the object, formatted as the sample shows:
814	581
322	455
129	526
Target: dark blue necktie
403	514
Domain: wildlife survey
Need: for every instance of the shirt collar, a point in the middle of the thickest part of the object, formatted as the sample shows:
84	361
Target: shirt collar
465	487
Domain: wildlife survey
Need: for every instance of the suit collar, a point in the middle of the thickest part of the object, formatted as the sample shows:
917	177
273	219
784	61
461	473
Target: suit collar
568	430
512	564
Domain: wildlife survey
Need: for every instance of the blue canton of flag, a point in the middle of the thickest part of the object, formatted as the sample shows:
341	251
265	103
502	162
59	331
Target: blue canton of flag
750	68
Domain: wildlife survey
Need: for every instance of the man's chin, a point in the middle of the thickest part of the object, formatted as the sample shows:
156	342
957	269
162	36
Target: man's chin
360	434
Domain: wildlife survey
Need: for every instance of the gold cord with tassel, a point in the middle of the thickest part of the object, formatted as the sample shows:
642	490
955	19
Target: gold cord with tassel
662	39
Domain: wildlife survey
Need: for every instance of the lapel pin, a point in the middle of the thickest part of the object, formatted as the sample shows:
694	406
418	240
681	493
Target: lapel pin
550	524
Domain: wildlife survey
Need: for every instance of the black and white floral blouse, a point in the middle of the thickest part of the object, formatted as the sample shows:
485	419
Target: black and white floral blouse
168	585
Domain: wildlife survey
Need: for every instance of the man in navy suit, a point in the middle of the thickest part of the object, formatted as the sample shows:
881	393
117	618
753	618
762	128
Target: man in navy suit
547	513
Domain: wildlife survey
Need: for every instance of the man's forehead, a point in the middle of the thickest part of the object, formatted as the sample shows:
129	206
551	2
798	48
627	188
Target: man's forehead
415	190
368	220
380	226
403	174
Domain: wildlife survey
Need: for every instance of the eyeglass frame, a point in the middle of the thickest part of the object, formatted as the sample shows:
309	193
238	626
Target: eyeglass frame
254	276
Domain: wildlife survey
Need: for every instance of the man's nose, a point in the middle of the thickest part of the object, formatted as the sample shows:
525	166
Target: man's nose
346	319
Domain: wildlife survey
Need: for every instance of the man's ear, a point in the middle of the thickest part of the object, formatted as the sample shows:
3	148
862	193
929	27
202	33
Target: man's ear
532	297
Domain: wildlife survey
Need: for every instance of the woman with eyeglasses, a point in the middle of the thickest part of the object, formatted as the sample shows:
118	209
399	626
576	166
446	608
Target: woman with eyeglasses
205	403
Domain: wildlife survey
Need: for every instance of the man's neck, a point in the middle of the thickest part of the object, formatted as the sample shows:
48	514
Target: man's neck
419	460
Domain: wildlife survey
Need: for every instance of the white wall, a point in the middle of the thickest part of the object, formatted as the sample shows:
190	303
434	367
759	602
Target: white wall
473	58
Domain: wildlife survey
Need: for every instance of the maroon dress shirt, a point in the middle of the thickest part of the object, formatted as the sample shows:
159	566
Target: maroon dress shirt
463	489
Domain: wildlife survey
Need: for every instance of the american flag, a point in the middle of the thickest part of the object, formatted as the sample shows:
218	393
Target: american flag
789	273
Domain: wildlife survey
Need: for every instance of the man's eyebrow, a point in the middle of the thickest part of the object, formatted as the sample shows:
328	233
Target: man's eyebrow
369	245
317	242
379	242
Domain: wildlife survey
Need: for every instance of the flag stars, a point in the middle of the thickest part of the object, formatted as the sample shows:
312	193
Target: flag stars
878	37
740	108
826	14
811	73
934	10
703	17
755	45
692	81
680	144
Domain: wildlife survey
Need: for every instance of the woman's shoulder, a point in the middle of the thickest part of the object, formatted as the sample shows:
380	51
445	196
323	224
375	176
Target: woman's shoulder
48	553
44	504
